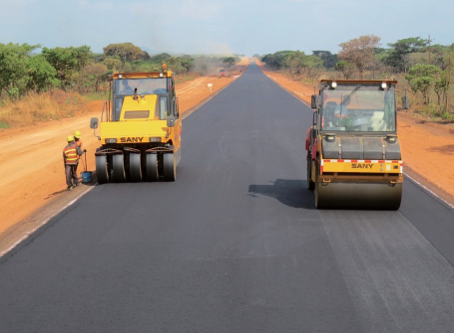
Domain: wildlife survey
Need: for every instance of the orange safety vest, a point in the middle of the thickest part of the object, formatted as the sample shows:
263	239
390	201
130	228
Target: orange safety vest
79	143
71	155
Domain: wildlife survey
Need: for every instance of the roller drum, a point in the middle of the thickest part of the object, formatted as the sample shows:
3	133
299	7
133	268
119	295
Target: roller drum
374	196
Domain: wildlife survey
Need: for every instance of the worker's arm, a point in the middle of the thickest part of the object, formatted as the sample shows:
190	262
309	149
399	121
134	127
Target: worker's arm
79	151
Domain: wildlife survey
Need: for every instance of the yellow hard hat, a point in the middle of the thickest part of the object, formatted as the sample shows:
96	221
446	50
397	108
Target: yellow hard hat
70	138
77	134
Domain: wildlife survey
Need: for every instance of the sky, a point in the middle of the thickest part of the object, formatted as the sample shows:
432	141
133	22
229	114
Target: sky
245	27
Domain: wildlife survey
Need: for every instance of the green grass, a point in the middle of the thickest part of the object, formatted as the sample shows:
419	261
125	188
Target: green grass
96	96
4	125
447	116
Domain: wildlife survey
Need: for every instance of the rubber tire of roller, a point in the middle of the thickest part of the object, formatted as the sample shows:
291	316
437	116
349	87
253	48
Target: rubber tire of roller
135	167
152	168
118	168
102	172
170	172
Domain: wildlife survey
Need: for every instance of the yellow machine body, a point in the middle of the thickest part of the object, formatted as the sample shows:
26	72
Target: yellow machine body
140	119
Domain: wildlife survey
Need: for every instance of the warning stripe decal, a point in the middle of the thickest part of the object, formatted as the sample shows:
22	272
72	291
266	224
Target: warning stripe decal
361	161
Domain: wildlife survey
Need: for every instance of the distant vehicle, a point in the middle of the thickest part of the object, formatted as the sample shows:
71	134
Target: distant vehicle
222	73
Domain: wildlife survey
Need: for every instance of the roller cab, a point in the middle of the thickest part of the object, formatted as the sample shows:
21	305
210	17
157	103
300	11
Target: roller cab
139	130
353	151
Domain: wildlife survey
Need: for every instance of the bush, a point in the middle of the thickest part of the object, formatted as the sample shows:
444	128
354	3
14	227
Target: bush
4	125
446	116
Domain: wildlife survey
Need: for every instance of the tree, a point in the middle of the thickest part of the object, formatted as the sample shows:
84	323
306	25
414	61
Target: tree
160	58
42	75
442	84
329	60
180	64
187	62
296	62
421	77
300	64
112	63
440	55
67	61
346	68
96	73
398	55
229	61
82	54
276	60
360	51
125	51
21	72
14	68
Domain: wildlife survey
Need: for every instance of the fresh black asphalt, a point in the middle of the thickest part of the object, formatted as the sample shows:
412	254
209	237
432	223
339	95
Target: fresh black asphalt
235	244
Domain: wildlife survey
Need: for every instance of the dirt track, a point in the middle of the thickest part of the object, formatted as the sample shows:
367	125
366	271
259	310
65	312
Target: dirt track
428	148
31	163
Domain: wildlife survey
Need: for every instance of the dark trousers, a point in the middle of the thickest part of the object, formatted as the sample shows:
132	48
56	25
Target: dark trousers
71	174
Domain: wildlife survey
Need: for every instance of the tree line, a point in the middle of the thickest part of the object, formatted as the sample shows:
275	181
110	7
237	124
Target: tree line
23	70
426	68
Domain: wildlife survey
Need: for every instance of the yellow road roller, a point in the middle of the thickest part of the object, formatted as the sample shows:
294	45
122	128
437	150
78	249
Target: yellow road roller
140	129
354	157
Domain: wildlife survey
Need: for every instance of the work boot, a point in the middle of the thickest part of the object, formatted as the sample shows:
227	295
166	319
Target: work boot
76	184
69	188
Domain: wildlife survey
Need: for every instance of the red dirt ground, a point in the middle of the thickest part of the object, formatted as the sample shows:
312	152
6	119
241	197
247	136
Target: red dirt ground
31	163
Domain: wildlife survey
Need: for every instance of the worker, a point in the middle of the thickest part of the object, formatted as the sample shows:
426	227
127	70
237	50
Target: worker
343	114
77	135
127	90
71	155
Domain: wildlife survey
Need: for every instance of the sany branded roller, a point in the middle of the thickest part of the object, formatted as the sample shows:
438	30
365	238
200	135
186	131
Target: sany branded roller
353	151
140	129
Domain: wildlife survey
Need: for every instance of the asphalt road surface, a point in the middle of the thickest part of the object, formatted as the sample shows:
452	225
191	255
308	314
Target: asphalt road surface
235	244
